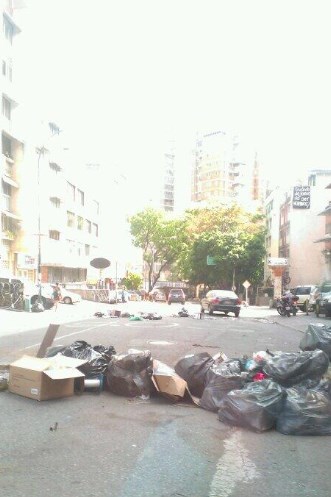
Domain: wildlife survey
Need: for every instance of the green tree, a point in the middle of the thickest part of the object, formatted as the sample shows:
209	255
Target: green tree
163	241
234	238
132	281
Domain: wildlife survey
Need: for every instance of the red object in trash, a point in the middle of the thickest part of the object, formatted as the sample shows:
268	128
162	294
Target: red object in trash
259	377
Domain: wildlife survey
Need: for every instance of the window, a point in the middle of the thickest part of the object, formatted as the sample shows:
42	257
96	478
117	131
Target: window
54	129
79	248
81	198
6	189
55	202
71	246
87	250
88	226
55	235
6	146
55	167
80	222
95	206
8	29
4	68
71	191
70	219
6	107
95	229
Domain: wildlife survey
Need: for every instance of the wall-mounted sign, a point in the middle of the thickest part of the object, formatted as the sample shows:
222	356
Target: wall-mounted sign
26	261
277	261
301	197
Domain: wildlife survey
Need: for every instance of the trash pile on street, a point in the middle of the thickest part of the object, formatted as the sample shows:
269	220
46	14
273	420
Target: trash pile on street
286	391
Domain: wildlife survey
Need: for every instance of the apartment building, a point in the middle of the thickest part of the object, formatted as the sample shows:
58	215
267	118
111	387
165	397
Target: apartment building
168	184
59	233
12	146
224	172
293	225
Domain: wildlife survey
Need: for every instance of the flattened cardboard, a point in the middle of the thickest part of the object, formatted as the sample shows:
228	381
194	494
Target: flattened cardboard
43	379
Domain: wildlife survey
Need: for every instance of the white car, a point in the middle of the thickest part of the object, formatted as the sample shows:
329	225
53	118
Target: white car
68	297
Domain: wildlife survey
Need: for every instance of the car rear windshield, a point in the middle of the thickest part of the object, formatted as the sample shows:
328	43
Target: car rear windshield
302	290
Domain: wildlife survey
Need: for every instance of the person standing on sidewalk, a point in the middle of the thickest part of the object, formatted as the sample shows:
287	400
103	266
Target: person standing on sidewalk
56	295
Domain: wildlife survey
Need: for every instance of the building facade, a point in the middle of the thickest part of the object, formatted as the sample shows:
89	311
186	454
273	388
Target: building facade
293	225
12	146
59	233
224	172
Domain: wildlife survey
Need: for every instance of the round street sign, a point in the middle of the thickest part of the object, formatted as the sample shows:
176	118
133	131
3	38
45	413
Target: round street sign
246	284
100	263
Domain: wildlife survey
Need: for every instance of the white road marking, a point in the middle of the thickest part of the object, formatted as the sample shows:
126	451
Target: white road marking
233	467
173	325
75	333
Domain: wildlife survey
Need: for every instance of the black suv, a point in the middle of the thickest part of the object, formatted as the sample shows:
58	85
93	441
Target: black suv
176	295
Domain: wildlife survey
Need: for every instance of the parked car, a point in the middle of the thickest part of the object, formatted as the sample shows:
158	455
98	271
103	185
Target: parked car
303	292
176	295
68	297
318	293
323	305
221	301
157	296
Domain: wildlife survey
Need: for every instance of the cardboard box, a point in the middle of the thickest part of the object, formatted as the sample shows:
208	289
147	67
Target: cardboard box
44	379
167	382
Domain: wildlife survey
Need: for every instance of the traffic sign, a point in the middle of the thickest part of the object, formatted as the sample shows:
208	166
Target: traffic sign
210	260
246	284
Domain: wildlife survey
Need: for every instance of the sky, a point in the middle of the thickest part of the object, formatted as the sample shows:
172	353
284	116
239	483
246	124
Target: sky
123	77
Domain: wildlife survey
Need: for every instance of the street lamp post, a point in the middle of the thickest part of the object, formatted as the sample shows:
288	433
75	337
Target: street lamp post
40	151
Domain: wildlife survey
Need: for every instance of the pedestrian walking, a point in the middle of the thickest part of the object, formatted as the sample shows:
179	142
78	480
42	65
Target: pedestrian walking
56	295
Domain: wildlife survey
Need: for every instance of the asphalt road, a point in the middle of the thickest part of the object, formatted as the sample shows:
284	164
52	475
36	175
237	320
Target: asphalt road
107	445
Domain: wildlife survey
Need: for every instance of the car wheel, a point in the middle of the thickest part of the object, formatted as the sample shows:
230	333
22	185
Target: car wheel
210	311
226	313
67	300
328	314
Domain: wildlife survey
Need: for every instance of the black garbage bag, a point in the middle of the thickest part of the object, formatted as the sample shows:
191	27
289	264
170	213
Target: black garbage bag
220	379
291	368
97	362
183	313
106	351
317	337
130	374
37	307
255	407
193	369
306	411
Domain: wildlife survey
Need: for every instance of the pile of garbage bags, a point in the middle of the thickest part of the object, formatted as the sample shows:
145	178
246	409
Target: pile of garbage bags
286	391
